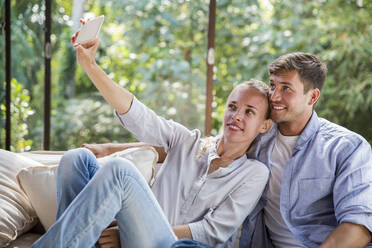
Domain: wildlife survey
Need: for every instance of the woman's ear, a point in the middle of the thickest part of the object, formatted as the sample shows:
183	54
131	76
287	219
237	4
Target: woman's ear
266	125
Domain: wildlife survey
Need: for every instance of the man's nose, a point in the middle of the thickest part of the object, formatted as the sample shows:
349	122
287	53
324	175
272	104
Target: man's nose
274	95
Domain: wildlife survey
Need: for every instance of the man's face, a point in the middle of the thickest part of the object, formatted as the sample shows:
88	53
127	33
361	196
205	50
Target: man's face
289	104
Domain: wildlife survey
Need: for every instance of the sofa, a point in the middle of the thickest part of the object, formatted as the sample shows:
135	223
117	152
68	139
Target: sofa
28	190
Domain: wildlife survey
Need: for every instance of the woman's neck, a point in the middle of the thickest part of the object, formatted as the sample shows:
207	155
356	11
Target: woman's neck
230	151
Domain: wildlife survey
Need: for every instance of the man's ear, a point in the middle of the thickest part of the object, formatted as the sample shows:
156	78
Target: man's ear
315	94
266	125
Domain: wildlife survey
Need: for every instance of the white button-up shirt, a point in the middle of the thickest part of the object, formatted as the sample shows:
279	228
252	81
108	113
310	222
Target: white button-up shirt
213	205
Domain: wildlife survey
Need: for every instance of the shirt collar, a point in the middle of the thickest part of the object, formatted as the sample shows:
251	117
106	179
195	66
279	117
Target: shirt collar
309	131
212	151
212	154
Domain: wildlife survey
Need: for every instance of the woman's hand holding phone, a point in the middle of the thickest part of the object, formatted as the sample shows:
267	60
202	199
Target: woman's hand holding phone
89	30
85	51
85	41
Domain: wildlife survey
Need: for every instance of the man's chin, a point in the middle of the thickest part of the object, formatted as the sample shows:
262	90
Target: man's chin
277	118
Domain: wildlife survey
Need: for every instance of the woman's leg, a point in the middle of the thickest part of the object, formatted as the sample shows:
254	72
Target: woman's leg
189	243
75	170
118	191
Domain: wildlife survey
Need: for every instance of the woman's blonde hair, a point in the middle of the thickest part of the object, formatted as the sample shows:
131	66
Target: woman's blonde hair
260	87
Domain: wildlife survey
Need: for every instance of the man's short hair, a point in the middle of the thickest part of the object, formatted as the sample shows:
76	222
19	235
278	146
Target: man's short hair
311	70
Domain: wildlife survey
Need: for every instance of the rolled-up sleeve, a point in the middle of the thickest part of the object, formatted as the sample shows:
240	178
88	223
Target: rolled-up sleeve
353	186
220	223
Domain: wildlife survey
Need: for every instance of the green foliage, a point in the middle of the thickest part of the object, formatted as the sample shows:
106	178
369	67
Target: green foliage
26	41
342	37
90	120
157	50
20	110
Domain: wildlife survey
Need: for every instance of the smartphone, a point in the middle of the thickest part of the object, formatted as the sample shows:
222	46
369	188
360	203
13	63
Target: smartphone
90	29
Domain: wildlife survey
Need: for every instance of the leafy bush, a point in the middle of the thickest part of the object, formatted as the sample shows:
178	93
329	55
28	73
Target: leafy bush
20	110
157	50
85	120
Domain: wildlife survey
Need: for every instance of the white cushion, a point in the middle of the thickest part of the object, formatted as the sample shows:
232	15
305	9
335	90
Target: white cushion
39	183
16	213
144	158
44	157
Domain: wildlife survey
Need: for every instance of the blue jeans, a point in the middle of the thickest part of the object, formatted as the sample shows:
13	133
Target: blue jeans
90	198
189	243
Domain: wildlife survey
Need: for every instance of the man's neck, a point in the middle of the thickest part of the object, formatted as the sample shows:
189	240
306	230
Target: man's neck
294	128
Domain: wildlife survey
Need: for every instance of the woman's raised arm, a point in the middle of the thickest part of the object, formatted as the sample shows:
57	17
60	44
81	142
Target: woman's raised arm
119	98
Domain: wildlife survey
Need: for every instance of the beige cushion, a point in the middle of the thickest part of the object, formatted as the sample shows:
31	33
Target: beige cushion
16	213
39	182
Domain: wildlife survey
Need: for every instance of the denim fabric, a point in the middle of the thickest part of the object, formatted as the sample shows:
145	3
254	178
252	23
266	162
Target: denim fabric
327	181
254	229
75	170
189	243
116	191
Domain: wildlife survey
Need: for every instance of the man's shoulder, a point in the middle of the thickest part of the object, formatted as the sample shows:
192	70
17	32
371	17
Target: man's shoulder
330	132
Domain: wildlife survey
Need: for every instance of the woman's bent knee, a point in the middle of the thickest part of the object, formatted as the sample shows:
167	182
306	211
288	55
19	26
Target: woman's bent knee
123	172
120	165
77	153
75	160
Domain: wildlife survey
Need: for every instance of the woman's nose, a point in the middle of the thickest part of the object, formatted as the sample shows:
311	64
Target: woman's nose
237	115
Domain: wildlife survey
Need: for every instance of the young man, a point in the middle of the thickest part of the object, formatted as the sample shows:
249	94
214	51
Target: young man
320	188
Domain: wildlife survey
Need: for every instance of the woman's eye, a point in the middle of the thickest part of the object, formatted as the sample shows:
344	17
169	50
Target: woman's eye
249	112
232	106
285	88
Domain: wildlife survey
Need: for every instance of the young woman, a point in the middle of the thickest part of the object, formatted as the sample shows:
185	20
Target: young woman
205	189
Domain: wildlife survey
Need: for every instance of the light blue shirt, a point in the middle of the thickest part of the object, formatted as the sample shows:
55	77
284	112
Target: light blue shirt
327	181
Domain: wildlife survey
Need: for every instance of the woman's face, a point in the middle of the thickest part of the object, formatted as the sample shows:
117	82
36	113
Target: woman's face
244	115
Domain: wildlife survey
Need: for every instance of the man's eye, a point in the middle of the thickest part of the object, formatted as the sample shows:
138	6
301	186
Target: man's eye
249	112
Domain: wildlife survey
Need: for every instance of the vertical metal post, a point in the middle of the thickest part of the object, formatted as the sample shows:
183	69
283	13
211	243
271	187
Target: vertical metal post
8	75
210	65
47	75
